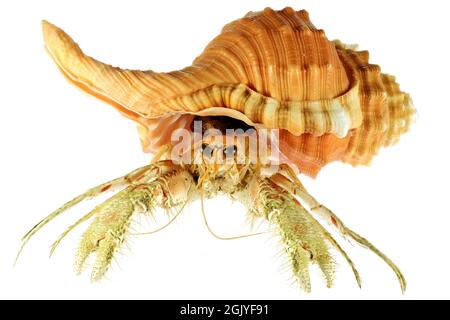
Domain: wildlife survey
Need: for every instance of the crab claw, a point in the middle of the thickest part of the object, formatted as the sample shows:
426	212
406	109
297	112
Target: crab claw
107	232
305	241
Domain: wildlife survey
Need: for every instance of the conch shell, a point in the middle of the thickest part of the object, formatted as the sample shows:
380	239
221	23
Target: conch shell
270	69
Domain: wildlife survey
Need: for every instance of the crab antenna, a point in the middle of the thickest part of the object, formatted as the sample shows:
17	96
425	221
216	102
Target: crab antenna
164	226
220	237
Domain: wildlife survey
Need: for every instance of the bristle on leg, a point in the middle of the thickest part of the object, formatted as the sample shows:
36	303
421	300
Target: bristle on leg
162	184
290	183
303	239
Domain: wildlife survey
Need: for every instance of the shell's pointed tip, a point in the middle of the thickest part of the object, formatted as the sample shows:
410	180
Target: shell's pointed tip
55	39
46	25
48	28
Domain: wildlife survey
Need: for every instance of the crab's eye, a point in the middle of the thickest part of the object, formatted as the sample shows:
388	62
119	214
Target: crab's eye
230	151
207	150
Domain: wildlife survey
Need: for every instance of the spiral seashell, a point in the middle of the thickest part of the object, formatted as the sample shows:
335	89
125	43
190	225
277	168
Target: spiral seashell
270	69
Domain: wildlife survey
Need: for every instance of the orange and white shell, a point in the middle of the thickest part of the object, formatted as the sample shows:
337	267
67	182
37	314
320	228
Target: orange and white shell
270	69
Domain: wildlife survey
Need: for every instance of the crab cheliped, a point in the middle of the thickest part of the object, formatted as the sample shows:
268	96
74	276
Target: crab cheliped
269	98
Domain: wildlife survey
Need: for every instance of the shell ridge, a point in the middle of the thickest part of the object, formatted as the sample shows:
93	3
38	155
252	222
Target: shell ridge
384	107
271	69
314	110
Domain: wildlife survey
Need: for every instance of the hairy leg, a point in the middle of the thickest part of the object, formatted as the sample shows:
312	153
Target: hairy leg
305	240
110	227
289	181
161	184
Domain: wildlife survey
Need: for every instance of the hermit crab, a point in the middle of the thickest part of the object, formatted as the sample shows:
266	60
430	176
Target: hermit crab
269	98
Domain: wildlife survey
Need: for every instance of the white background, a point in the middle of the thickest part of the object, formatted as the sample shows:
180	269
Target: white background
56	142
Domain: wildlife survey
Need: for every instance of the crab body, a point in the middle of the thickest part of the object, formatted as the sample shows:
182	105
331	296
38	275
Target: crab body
271	76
